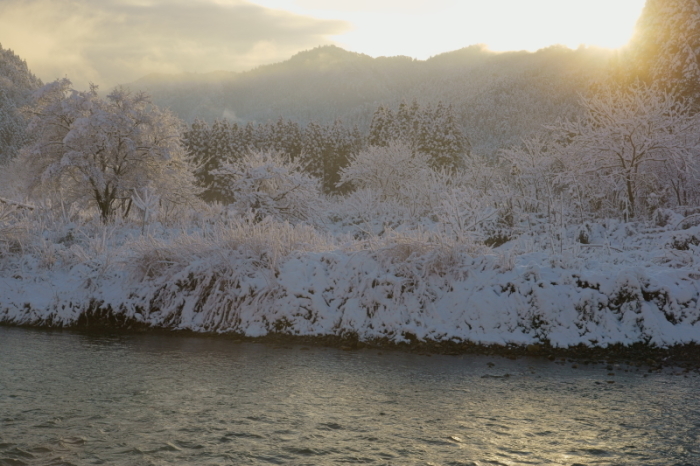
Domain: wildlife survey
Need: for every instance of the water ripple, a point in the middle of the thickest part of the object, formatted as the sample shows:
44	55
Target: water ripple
76	399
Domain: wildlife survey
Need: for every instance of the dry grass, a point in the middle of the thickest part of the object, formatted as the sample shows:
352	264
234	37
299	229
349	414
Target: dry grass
264	244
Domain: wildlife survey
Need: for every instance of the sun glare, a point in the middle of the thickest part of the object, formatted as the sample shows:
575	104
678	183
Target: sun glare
421	29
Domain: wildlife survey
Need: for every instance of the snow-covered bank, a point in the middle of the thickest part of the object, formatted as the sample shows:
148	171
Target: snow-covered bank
399	289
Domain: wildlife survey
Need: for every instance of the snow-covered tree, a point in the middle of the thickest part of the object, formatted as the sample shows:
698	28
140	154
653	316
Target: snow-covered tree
16	85
666	46
627	138
434	131
197	142
98	151
284	136
271	185
443	138
382	128
393	171
537	173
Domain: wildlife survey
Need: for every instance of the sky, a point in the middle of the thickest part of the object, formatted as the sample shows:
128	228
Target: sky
108	42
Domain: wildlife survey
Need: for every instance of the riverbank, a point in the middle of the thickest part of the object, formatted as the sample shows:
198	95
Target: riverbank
683	357
641	287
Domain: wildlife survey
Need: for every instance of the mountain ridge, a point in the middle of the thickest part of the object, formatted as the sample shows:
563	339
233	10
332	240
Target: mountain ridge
491	91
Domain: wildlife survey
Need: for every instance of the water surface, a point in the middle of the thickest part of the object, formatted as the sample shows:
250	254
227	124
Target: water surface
69	398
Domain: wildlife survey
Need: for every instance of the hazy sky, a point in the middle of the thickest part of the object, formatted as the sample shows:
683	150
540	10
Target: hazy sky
115	41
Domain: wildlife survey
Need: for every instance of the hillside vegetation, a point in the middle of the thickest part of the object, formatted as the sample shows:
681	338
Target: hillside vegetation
498	97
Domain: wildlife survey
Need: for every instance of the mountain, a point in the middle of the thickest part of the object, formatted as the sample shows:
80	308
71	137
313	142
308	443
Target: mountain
499	97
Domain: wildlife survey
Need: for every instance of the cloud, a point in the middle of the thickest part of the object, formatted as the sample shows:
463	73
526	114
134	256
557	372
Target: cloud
116	41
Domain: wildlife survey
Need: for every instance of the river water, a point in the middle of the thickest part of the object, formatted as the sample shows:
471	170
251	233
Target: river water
69	398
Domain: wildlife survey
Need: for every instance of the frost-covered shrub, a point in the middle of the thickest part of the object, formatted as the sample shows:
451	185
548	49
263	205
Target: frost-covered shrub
262	244
497	238
463	213
364	213
396	172
12	233
270	185
684	241
662	217
420	253
584	234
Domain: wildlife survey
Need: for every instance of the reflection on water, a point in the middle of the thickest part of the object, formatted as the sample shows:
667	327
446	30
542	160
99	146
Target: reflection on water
68	398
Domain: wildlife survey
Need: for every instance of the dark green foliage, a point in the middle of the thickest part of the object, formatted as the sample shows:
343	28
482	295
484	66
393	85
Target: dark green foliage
430	130
322	149
209	148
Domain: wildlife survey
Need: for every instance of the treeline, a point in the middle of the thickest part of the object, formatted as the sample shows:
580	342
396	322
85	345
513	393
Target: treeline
324	150
629	149
498	97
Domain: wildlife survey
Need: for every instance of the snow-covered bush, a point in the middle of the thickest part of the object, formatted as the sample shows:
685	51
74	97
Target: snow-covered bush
364	213
537	173
684	241
263	244
395	171
268	184
421	252
11	234
465	214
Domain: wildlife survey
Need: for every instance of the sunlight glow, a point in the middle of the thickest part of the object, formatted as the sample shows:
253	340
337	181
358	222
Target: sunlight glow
422	28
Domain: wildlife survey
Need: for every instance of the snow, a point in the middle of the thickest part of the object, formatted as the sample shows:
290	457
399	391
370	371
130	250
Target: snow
533	245
257	279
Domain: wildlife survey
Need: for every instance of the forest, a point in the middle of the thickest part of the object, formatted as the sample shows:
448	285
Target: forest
499	198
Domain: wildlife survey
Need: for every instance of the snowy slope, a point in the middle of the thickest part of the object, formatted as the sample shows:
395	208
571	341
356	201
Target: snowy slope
629	289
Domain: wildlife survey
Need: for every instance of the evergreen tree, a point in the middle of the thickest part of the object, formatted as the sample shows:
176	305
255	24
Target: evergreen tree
237	142
313	150
16	85
248	137
448	145
434	131
285	137
423	136
198	142
339	149
381	130
404	123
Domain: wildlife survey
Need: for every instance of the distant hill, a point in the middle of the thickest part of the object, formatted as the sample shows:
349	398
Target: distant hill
499	97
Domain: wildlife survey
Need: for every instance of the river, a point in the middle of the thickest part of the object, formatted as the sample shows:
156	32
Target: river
78	399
